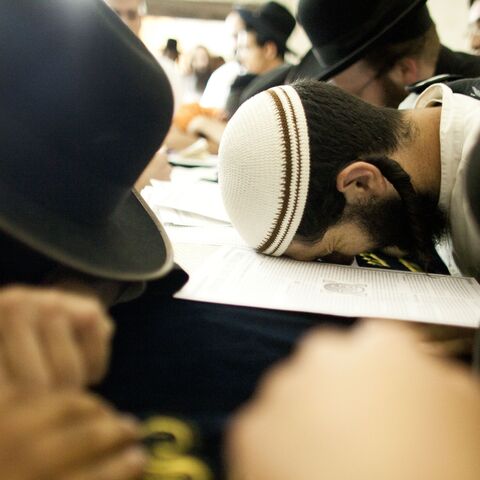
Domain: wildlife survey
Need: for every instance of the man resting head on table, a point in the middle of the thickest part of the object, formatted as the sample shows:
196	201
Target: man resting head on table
310	172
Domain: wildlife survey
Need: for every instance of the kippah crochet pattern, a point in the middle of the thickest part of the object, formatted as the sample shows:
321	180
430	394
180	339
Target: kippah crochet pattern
264	169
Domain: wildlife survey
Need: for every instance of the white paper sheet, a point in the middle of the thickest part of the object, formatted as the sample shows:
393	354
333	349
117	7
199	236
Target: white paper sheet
173	217
205	235
242	277
192	259
201	198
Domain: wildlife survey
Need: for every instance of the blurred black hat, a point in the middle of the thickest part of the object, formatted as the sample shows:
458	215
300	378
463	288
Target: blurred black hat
84	107
271	20
172	44
342	31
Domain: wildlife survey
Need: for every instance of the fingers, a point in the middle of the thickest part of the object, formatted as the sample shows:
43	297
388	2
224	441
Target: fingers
67	435
62	353
93	336
26	413
23	361
125	465
83	441
50	338
93	330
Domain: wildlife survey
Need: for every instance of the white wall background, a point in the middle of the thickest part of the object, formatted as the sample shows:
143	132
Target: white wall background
450	17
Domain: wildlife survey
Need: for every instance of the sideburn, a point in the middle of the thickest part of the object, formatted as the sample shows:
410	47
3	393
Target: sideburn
393	94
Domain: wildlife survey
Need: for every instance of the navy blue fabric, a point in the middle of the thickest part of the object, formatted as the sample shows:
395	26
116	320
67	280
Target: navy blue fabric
196	360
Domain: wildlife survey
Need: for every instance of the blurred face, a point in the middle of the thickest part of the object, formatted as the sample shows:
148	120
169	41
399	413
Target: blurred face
200	60
234	25
254	58
130	11
371	86
474	27
474	35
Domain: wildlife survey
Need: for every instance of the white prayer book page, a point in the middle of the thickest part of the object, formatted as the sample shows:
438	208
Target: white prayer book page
238	276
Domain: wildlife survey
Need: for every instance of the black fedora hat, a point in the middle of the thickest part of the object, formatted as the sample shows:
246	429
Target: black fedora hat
342	31
271	19
84	107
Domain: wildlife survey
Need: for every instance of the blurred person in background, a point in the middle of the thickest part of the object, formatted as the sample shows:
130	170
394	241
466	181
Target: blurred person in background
474	26
389	46
171	50
262	45
131	12
199	65
218	86
379	51
214	98
261	49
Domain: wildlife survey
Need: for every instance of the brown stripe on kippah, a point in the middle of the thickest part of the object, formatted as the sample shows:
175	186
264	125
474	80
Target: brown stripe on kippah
296	187
288	173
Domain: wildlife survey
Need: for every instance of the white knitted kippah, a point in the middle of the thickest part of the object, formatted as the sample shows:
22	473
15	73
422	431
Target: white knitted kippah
264	169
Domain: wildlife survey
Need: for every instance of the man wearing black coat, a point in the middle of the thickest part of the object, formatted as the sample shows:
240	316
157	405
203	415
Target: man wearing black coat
373	49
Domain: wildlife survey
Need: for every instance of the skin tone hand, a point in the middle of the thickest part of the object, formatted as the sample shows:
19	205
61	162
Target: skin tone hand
211	128
52	339
158	168
65	436
367	405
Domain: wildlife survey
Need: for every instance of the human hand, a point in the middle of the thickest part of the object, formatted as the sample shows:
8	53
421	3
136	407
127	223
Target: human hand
209	127
65	435
158	168
52	339
368	404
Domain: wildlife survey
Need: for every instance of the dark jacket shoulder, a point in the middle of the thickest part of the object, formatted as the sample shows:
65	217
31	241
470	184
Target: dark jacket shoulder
457	63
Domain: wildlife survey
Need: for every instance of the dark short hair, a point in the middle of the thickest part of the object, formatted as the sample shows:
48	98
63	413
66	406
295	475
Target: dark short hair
342	129
263	38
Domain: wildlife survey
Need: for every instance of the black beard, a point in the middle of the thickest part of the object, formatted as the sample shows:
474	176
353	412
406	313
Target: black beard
387	223
393	94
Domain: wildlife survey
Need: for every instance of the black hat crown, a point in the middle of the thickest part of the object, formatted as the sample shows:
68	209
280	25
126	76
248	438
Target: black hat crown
84	107
342	31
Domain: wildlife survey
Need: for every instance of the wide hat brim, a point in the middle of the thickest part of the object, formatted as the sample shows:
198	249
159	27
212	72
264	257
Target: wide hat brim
131	246
329	70
308	68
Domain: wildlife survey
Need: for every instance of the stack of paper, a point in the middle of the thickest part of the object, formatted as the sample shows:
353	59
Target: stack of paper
193	215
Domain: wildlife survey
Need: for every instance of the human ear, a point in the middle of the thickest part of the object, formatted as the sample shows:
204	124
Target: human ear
405	71
360	181
270	50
